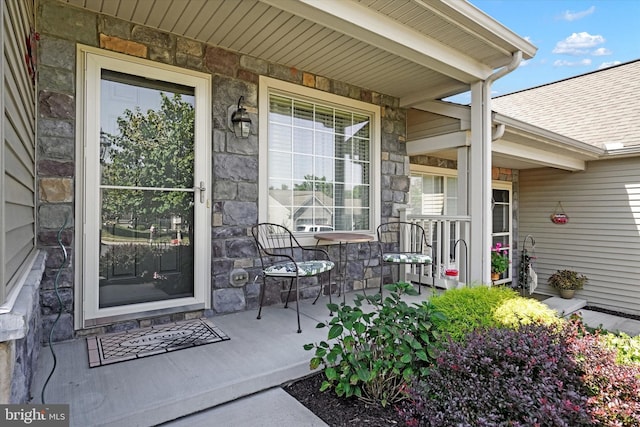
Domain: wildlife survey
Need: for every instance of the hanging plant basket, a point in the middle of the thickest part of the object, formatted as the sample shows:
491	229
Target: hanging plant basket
559	216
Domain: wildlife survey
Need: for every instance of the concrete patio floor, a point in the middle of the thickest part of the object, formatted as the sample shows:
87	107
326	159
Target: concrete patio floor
235	382
260	355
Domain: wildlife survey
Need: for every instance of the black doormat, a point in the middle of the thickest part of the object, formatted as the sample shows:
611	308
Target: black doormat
136	343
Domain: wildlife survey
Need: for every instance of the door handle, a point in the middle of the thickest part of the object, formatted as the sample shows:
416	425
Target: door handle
202	189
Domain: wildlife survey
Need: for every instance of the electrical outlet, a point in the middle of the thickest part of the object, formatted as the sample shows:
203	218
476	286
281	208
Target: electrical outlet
239	277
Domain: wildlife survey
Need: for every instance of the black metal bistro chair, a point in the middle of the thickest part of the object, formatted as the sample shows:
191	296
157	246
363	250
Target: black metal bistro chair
404	243
282	256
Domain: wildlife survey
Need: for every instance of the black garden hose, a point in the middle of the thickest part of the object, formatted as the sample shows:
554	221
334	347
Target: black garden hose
60	308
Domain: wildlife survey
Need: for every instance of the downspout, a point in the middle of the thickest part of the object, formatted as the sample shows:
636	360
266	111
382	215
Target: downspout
515	61
486	157
499	133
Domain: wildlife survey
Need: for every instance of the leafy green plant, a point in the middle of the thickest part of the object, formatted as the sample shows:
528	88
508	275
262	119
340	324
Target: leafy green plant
467	309
567	279
499	259
627	348
518	311
373	354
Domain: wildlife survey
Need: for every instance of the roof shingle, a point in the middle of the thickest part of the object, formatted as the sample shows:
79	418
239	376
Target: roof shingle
598	108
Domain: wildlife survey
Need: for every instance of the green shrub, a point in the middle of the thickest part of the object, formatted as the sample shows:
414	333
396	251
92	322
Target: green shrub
627	348
373	355
467	309
518	311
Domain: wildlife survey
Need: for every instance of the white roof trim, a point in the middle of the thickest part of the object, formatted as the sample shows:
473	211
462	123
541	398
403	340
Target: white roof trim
492	27
366	25
537	155
463	113
541	134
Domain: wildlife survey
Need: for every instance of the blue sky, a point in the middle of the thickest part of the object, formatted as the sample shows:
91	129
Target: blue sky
572	37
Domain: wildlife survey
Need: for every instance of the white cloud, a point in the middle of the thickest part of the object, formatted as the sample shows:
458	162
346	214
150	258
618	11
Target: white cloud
565	63
608	64
569	15
601	51
578	43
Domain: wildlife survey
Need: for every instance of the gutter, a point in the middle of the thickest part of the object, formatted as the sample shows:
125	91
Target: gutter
632	151
551	137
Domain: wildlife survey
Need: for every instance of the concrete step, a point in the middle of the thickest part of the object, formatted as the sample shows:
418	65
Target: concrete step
565	307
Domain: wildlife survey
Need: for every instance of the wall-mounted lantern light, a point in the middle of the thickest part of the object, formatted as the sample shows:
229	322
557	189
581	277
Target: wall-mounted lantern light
241	121
105	146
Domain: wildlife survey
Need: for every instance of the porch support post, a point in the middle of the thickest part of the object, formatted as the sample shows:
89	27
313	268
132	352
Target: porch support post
479	189
463	209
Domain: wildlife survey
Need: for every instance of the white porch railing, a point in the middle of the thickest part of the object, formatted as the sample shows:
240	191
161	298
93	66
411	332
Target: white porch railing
449	240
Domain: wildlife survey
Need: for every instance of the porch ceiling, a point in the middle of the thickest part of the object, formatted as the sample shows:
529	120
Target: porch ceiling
415	50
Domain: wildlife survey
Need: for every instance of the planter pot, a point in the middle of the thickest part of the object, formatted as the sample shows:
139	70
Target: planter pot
567	293
495	276
451	278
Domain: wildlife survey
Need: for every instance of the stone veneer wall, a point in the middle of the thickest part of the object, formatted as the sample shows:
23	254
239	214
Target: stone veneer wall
19	341
235	161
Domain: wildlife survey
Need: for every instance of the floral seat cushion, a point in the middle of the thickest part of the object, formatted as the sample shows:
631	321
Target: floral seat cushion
406	258
305	268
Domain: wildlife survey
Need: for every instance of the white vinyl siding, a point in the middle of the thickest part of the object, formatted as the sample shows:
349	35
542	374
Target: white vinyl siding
602	237
17	158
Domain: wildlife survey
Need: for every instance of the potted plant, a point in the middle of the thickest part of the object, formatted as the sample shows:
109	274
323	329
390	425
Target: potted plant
499	261
567	282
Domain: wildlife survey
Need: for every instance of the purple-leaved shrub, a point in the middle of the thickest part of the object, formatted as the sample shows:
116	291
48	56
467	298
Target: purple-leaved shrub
612	388
501	377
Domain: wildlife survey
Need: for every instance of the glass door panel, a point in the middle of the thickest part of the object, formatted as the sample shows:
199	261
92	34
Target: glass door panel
501	230
145	257
146	191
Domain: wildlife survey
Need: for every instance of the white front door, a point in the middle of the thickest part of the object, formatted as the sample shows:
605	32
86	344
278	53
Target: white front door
146	194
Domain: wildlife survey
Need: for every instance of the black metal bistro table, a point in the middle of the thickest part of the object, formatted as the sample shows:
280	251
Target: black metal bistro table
343	239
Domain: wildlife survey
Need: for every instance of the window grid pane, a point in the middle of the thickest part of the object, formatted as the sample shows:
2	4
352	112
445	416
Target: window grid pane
319	165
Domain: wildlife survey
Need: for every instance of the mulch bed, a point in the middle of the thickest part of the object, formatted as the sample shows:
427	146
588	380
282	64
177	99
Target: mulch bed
339	411
613	312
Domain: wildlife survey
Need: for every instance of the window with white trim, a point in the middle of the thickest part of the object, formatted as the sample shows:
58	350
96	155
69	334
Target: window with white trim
434	192
321	153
